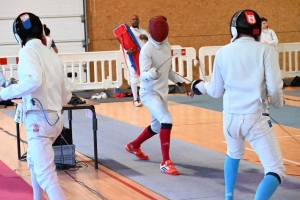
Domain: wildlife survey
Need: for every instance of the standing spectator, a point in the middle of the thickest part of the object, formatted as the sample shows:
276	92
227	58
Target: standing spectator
141	36
43	90
268	35
50	42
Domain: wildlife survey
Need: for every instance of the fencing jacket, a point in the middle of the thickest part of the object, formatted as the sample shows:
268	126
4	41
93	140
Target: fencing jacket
41	76
157	55
269	37
248	71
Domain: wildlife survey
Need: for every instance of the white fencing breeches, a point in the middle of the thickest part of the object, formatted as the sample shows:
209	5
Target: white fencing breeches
40	154
259	131
158	108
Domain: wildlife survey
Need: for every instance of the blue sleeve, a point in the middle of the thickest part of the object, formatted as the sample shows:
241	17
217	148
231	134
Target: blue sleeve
53	44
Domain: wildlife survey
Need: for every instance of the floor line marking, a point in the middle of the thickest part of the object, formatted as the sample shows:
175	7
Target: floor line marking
297	163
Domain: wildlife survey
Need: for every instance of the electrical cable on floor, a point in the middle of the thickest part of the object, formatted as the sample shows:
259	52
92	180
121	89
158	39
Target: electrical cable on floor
285	130
82	184
78	164
59	166
23	157
8	133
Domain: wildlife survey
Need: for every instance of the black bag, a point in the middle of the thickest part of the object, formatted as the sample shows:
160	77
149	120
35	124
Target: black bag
7	103
296	81
76	100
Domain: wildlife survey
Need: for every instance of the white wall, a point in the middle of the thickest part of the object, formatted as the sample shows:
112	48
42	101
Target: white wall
63	17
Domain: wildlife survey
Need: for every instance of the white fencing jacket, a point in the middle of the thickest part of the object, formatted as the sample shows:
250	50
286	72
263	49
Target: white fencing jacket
248	71
155	55
269	36
41	76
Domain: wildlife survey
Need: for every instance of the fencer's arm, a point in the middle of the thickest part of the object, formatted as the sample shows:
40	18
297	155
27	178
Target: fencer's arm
273	78
215	88
30	70
274	40
143	37
129	51
145	65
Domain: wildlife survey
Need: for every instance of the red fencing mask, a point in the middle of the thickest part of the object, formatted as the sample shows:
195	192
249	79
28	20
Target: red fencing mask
158	28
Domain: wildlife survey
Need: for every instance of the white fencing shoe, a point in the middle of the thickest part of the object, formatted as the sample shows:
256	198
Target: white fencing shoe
137	103
96	96
103	95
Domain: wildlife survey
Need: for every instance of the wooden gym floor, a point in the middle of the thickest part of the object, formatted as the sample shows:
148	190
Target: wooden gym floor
193	121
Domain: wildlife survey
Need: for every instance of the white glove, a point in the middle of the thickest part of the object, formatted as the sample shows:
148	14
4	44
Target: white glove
154	73
9	82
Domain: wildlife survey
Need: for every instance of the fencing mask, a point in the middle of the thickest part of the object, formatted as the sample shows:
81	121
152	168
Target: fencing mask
158	28
246	22
28	25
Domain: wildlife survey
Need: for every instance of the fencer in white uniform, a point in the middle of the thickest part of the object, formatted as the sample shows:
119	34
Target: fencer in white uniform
247	72
141	36
43	90
155	62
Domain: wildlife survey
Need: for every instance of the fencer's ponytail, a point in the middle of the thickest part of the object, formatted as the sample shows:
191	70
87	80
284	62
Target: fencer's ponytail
46	30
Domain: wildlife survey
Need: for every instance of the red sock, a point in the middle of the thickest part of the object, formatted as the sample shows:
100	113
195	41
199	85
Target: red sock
165	136
145	135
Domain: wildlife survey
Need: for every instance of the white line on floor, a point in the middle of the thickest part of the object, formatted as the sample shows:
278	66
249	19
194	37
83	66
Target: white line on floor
283	158
288	136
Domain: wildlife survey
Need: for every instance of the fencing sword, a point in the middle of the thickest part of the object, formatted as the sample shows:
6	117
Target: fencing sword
165	62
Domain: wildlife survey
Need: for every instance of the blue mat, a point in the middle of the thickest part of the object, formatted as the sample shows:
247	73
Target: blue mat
201	169
288	115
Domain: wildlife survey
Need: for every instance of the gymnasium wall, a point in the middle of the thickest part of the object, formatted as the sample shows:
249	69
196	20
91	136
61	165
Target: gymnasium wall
192	23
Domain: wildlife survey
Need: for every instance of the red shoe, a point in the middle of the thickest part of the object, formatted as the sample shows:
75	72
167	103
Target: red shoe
138	152
168	168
